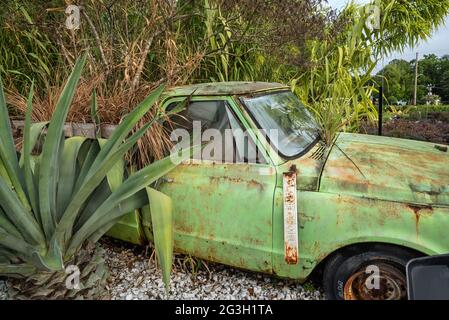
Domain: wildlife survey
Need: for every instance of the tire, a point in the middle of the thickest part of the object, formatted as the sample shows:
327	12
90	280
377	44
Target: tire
348	271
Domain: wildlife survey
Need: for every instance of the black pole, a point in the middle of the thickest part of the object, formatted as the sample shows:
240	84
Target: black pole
381	107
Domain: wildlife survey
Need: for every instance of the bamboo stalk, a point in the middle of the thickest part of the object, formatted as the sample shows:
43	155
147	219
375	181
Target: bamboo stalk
97	39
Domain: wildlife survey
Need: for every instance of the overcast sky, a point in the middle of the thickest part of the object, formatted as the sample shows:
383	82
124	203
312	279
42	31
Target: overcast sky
438	44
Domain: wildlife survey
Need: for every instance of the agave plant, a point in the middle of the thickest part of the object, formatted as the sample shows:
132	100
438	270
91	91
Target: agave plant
56	202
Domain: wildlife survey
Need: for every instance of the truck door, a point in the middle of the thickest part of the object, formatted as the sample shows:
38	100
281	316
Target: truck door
222	202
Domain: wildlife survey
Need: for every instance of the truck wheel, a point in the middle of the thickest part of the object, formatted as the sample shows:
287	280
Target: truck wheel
375	274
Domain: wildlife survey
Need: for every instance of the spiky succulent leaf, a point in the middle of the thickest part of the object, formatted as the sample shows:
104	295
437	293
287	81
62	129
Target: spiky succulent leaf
162	225
20	216
30	136
94	114
104	215
116	174
64	229
8	154
53	203
124	129
17	270
68	174
109	155
48	174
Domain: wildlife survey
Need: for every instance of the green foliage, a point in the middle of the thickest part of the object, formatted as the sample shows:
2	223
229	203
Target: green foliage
339	86
399	78
25	51
162	227
52	204
228	58
425	108
136	45
440	113
416	113
405	23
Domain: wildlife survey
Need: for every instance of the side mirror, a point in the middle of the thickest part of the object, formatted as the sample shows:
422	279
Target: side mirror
428	278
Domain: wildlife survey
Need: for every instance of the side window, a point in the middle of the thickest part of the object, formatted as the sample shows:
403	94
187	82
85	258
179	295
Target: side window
220	132
209	114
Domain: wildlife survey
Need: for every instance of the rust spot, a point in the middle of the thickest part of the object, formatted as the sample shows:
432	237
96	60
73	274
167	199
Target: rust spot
292	170
216	180
417	210
291	255
290	217
289	198
392	285
251	183
291	178
256	184
418	216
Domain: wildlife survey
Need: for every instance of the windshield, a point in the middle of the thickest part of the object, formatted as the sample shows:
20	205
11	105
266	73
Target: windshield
288	124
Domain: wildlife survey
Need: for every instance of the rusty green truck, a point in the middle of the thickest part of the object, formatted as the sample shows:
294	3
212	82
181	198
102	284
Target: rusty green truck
365	204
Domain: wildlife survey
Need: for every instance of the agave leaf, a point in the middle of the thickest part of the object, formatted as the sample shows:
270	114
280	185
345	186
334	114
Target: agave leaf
49	167
7	225
9	256
125	127
94	114
110	209
8	154
146	222
64	229
53	259
86	160
67	176
162	223
115	176
36	130
20	216
17	270
31	133
133	184
4	174
14	243
101	193
134	202
5	125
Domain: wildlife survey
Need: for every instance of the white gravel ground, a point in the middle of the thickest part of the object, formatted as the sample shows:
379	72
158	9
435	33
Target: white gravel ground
134	277
3	290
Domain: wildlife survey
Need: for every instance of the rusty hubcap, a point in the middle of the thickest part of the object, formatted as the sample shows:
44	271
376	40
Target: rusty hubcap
388	284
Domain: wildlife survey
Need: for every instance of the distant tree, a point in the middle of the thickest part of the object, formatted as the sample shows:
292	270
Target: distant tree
398	75
399	78
443	90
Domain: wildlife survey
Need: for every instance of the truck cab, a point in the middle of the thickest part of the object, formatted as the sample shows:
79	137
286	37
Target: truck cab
363	206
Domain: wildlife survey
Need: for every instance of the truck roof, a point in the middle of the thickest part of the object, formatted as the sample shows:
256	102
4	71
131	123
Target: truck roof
224	88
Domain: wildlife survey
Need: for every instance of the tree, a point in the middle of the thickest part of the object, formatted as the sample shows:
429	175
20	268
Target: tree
341	72
399	78
444	84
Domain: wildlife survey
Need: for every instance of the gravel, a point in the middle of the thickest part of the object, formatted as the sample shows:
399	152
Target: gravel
135	277
3	290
